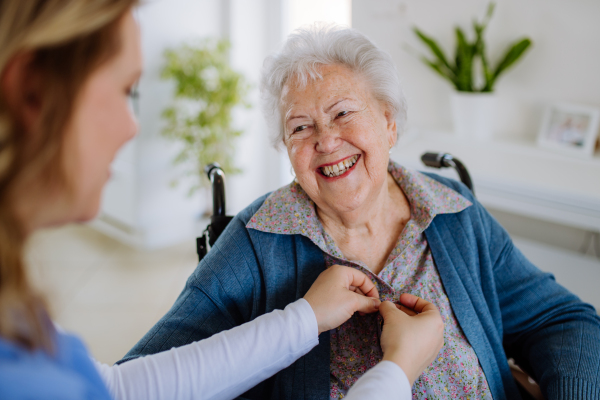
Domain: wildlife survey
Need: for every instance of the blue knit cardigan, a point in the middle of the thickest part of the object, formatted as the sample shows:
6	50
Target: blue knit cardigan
503	303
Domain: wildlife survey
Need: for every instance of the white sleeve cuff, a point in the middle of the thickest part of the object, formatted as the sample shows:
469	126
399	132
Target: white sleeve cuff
309	319
384	381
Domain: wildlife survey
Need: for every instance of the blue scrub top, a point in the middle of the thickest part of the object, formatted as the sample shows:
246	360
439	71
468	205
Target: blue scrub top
67	374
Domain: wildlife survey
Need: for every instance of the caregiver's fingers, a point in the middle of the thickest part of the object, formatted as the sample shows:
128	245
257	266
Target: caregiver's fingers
416	303
388	311
365	305
411	342
359	280
392	316
406	310
332	300
356	290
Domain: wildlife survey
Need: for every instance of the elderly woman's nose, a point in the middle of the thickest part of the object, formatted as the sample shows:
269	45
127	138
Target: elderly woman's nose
328	140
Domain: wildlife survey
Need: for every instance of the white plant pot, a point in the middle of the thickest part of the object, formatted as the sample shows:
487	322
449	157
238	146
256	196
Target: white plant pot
473	115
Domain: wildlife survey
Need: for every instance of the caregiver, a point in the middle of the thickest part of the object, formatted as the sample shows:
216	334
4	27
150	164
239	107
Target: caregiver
66	70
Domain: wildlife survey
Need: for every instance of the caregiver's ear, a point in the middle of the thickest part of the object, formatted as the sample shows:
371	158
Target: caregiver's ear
21	87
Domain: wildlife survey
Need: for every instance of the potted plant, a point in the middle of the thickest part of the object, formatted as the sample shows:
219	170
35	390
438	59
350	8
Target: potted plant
207	89
473	100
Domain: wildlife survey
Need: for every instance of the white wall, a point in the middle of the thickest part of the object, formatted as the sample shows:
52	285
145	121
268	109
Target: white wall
140	205
148	211
166	213
562	65
253	35
302	12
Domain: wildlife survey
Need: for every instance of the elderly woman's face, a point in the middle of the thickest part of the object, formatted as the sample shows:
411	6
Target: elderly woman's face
338	138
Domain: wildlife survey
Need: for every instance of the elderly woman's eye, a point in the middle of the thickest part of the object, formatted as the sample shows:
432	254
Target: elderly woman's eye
300	128
342	113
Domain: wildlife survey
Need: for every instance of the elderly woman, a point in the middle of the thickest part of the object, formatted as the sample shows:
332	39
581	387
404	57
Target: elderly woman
333	99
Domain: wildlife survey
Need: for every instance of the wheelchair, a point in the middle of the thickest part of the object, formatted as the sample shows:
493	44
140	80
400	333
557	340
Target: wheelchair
219	220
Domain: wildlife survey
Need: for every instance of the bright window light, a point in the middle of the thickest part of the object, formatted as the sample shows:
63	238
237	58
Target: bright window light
304	12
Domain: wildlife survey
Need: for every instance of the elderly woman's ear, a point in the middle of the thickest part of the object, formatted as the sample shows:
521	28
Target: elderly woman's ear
392	126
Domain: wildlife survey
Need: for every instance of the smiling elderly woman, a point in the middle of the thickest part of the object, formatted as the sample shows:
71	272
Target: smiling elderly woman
333	99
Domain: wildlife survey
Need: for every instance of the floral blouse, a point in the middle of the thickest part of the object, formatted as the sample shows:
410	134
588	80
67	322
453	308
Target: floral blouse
410	268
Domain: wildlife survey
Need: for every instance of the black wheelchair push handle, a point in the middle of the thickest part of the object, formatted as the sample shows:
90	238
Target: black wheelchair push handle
445	160
217	178
219	219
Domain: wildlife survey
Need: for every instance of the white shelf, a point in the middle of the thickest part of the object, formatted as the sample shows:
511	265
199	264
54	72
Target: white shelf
518	177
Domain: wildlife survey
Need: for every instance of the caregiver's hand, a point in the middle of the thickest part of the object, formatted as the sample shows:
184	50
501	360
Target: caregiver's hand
338	293
413	338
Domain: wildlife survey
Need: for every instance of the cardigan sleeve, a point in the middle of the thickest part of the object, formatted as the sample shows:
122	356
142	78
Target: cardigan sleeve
549	331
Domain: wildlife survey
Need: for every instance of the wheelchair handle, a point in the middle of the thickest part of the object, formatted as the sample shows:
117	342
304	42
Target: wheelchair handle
445	160
217	178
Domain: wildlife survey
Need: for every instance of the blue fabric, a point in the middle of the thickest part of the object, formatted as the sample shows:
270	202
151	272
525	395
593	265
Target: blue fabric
67	374
503	303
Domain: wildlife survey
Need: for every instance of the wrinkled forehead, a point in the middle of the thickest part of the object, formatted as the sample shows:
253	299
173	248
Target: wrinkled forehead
325	83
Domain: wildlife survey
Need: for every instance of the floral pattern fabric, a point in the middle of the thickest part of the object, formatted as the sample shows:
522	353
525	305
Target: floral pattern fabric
410	268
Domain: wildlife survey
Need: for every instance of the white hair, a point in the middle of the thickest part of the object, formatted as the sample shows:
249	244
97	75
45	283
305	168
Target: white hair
308	48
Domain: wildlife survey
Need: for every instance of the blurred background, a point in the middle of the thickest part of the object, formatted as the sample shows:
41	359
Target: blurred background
112	279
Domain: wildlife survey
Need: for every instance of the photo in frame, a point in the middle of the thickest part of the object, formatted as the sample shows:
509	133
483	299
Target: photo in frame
570	129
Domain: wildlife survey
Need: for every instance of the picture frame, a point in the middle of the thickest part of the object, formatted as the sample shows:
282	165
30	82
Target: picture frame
570	129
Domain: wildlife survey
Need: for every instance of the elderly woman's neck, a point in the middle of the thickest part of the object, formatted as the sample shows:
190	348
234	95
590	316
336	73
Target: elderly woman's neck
370	233
375	210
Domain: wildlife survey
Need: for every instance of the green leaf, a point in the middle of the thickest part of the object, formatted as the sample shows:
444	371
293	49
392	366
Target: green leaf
464	62
435	49
513	53
480	51
438	69
489	13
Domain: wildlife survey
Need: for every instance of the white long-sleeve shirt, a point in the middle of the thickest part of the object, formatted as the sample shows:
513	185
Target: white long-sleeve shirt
231	362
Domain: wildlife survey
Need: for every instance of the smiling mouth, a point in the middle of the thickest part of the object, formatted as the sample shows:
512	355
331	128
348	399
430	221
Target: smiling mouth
331	171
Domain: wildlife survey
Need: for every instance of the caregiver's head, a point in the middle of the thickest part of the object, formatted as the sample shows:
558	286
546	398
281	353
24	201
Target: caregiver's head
66	68
334	100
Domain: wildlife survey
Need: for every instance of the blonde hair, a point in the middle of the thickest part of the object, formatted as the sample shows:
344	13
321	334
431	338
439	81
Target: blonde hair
66	40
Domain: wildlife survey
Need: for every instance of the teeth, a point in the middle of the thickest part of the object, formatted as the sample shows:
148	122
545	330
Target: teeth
339	168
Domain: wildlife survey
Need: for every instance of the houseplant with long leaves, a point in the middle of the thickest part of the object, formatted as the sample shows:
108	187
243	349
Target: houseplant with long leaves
470	71
207	90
